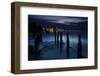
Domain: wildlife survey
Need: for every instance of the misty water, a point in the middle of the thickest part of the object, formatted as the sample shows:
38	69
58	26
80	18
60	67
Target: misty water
49	50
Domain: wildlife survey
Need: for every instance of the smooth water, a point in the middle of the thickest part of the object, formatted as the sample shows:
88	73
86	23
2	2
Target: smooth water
49	50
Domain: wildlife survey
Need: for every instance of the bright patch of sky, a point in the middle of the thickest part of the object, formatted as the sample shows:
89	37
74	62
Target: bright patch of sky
60	19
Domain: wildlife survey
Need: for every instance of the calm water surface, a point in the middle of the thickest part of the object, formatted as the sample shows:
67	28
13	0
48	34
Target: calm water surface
48	49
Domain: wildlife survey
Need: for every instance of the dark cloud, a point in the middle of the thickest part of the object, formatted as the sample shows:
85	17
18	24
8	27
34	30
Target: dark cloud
78	23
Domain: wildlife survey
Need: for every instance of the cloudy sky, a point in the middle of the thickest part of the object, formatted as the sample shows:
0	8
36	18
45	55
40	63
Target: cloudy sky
60	21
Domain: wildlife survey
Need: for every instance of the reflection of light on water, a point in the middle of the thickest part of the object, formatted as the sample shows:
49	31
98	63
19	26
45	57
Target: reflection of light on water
84	41
73	39
50	51
50	38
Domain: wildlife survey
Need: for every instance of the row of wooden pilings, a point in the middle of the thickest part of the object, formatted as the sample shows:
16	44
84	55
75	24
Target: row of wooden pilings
59	42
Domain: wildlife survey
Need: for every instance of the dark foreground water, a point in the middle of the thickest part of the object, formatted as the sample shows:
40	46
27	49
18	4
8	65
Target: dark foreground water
49	50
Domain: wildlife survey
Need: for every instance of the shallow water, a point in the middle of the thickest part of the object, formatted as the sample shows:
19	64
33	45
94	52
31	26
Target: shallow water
49	50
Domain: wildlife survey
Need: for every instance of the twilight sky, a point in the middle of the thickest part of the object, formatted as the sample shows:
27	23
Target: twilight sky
78	23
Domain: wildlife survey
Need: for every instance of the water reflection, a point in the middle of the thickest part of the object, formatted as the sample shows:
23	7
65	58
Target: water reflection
67	47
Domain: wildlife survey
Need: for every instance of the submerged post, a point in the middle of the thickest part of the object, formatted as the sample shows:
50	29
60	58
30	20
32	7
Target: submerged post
79	47
61	41
54	29
58	39
67	46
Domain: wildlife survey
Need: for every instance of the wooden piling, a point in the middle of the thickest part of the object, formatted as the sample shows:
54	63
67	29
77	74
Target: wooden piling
79	47
67	46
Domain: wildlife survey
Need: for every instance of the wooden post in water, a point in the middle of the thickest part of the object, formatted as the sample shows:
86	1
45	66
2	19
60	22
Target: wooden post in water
79	47
61	41
54	29
58	39
67	46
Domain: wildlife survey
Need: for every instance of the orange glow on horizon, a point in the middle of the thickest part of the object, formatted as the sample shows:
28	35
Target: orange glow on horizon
52	30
